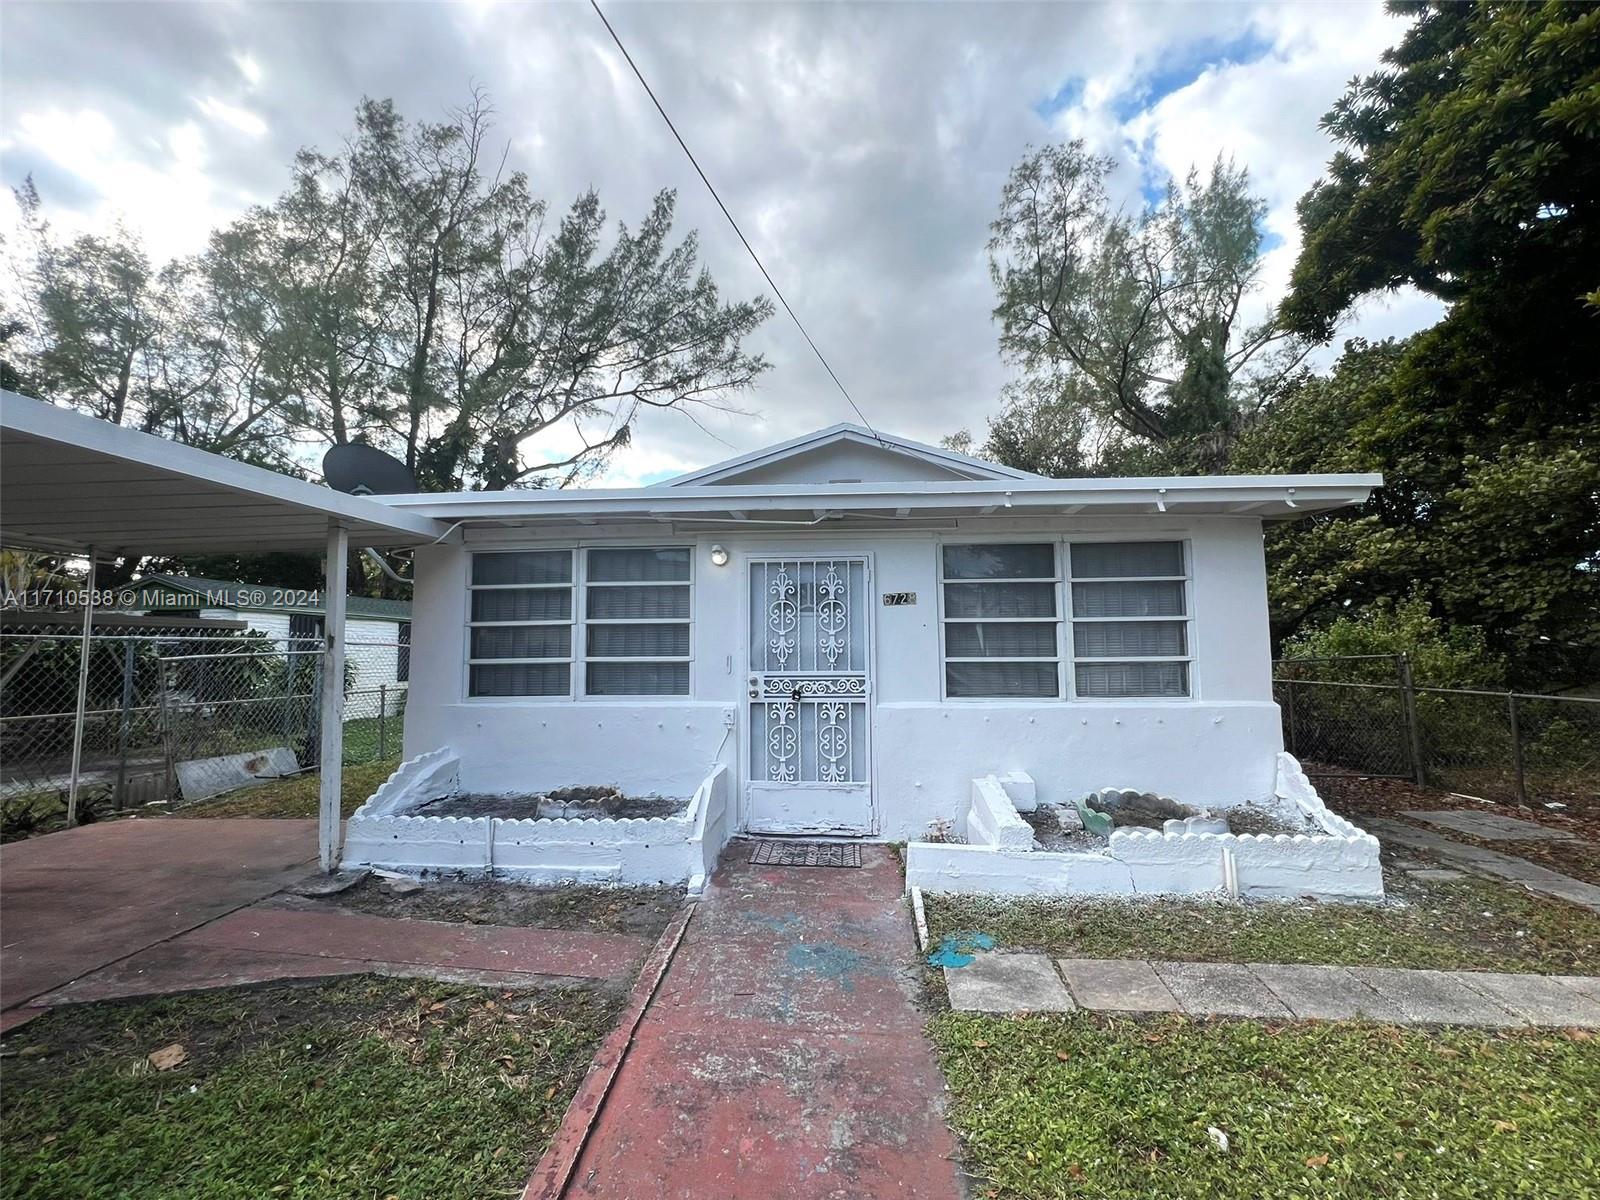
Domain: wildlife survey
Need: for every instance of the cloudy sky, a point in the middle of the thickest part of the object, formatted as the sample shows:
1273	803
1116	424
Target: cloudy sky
861	146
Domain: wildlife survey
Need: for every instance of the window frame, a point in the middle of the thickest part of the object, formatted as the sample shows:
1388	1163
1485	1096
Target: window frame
578	657
1067	659
1186	618
946	620
583	621
571	585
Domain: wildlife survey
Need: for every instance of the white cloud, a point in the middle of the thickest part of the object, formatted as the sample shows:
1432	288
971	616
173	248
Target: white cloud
166	193
232	115
862	147
249	68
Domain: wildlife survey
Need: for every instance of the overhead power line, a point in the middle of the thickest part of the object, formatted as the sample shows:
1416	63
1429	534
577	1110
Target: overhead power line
756	258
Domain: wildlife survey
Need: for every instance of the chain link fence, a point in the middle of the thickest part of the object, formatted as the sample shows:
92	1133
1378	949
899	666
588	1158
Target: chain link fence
177	717
1364	715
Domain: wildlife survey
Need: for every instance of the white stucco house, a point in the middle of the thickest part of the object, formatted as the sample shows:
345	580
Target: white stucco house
844	636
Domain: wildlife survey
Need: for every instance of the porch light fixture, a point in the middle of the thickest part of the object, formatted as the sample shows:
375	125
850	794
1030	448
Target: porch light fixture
719	556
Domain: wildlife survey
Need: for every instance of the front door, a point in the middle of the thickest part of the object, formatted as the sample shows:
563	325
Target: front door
810	688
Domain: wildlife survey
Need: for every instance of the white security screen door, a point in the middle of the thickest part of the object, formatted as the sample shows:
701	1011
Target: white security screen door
810	689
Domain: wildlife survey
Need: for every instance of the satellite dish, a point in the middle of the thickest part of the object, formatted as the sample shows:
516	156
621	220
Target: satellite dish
366	471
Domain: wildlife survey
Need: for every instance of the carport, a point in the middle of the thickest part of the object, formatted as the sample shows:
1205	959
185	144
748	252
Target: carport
73	484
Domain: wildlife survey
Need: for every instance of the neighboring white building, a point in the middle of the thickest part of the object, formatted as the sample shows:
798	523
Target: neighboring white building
378	632
856	627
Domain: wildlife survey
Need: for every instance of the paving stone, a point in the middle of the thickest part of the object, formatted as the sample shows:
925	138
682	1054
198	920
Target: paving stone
1007	983
1434	997
1489	862
1219	989
1117	985
1588	985
1435	875
1490	826
1538	998
1325	993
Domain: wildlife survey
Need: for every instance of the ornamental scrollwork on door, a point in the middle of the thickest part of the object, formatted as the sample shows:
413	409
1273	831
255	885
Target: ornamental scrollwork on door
783	741
812	690
833	741
824	685
783	616
833	616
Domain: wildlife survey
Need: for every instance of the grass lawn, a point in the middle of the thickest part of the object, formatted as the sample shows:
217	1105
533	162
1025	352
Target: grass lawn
296	797
1467	924
364	1087
1051	1107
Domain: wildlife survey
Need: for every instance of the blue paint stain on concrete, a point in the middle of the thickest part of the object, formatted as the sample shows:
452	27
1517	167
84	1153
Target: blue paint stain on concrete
838	963
958	949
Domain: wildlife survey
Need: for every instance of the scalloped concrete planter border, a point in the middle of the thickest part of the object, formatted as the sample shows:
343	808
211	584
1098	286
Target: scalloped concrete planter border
681	848
1338	863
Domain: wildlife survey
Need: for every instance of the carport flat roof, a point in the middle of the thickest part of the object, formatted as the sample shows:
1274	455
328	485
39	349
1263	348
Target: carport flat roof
70	482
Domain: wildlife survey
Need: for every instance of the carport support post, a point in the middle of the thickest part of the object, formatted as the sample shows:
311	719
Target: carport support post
83	694
332	765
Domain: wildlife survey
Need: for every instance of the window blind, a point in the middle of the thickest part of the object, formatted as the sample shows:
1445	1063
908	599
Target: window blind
1000	620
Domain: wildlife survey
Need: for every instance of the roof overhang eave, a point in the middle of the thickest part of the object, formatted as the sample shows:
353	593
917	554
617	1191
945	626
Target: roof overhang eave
1267	499
71	483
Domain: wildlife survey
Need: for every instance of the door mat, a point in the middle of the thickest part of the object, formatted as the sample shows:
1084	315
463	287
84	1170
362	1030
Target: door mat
806	854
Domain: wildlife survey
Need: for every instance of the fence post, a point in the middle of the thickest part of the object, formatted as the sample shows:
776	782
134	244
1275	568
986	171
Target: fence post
1408	700
383	711
84	650
123	722
1516	749
1294	727
169	759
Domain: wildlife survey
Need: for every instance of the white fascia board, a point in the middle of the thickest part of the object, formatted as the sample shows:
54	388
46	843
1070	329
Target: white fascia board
1218	493
845	432
48	423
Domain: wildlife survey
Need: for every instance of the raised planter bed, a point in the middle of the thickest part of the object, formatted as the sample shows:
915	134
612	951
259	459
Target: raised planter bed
420	822
1331	860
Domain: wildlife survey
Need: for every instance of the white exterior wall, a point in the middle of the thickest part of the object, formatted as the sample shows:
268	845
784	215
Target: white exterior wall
1216	748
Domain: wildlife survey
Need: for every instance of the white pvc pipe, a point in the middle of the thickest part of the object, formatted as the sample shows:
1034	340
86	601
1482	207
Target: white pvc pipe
83	694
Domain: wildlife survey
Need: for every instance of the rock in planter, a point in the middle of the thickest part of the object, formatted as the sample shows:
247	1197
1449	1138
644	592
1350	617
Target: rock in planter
1202	824
1146	810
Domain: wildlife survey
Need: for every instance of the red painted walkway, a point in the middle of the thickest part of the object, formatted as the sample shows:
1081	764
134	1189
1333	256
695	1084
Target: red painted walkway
74	901
783	1056
142	908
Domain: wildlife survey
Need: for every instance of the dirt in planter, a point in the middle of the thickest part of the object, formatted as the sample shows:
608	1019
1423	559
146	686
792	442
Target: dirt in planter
1048	834
573	803
644	911
1249	819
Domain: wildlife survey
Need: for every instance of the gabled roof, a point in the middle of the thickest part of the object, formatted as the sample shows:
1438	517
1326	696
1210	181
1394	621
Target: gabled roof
929	463
251	597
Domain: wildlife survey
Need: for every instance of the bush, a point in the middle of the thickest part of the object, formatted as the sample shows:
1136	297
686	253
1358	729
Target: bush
1441	655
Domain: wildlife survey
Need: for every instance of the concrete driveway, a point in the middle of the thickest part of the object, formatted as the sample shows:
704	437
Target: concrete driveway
75	901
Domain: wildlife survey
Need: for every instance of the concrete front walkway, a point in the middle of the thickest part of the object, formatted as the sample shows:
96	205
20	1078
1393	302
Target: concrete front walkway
1004	983
259	944
783	1054
150	907
1483	861
75	901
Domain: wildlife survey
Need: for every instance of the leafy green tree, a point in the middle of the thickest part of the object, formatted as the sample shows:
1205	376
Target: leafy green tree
405	291
1129	330
1469	168
1441	655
